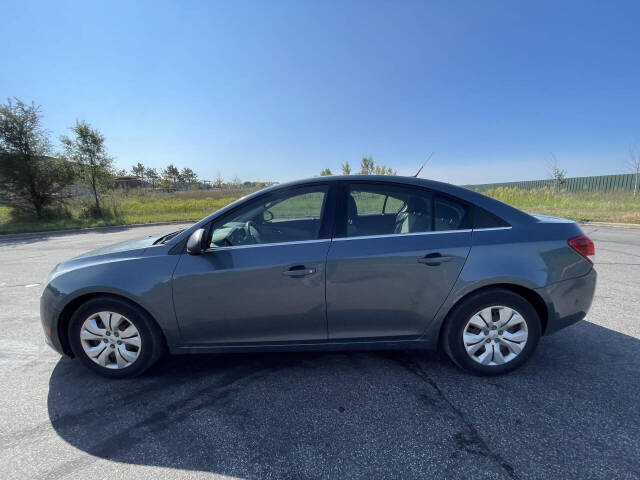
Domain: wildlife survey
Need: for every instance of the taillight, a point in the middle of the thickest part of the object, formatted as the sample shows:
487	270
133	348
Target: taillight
584	246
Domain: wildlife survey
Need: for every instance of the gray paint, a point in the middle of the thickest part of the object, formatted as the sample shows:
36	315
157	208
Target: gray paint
240	295
140	275
533	256
363	292
401	295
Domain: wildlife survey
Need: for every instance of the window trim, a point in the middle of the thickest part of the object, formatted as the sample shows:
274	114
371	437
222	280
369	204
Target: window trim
488	229
258	245
325	231
399	235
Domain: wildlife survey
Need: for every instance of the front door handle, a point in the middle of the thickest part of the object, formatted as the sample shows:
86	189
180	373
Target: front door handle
299	271
434	259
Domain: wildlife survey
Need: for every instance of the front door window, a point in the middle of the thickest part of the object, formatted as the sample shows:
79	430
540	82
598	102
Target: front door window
292	216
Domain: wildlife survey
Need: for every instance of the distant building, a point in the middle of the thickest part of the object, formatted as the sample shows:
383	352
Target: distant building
127	181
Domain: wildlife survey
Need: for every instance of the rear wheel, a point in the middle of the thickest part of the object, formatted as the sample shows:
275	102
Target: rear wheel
491	332
114	337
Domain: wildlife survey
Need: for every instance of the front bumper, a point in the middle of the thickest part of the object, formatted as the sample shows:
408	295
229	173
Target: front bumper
49	316
568	301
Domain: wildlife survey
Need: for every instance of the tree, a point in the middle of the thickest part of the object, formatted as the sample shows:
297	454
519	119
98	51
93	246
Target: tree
325	172
346	168
152	176
171	174
219	180
30	177
367	166
89	155
121	173
558	175
384	170
188	176
139	171
633	164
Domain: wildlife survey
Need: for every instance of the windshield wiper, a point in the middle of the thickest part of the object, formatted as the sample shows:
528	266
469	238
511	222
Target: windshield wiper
167	237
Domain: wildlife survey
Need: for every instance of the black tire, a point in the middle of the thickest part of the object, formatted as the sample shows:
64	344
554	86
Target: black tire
152	340
453	329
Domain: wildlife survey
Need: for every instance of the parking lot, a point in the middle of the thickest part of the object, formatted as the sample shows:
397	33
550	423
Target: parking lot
572	412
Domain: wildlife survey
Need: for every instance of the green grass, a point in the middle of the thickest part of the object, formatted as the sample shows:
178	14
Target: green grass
148	207
136	210
620	207
124	209
10	225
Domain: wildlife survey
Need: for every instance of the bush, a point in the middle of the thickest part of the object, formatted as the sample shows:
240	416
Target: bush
58	210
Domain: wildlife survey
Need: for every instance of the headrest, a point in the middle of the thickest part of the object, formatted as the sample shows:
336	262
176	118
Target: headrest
417	205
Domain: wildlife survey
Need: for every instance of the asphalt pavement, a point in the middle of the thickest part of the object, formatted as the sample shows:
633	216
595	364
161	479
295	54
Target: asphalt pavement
572	412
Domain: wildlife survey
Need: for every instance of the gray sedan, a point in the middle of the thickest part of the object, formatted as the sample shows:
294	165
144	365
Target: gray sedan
354	262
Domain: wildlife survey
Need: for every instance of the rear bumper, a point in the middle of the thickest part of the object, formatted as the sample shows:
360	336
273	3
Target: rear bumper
568	301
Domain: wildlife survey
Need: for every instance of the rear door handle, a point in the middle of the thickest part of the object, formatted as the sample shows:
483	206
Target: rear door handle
434	259
299	271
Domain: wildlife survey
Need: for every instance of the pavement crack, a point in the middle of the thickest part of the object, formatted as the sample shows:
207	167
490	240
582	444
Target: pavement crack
470	439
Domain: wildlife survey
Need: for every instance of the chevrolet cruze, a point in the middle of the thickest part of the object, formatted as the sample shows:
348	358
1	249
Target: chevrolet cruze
337	263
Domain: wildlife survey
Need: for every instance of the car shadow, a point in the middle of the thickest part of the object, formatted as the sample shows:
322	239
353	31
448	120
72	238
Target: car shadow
571	411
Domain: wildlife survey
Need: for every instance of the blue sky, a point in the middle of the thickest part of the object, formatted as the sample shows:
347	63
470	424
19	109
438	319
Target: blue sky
279	90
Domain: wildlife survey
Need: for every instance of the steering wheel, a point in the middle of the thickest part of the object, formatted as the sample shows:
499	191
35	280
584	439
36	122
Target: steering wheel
252	231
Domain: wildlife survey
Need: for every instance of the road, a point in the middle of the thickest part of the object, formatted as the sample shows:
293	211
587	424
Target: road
572	412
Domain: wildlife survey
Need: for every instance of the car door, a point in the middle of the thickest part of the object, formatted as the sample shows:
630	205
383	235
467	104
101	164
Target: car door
262	278
388	278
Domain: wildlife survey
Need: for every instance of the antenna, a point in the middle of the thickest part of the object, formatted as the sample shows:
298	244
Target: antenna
425	162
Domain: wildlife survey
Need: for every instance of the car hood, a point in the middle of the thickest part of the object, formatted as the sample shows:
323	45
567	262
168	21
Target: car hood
110	253
128	245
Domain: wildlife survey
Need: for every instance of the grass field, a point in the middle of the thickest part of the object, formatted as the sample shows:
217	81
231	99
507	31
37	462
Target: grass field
125	209
148	207
620	207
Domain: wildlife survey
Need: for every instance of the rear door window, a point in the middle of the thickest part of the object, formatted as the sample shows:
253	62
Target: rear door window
379	209
451	214
367	202
484	219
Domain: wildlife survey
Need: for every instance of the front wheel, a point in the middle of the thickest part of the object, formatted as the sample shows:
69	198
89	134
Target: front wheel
114	338
491	332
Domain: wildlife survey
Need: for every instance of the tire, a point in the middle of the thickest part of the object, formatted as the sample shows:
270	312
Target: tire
132	350
494	352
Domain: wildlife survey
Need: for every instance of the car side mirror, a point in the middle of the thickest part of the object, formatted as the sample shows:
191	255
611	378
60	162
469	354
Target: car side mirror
194	244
